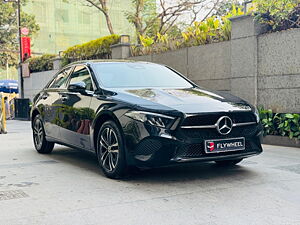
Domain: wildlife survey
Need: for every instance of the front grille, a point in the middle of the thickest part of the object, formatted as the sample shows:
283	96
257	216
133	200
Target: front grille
244	131
190	151
211	119
197	150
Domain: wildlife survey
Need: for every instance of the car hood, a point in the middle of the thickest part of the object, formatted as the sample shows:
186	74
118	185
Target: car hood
186	100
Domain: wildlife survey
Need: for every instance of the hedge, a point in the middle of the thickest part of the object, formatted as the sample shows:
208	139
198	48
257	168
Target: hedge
41	63
96	49
283	124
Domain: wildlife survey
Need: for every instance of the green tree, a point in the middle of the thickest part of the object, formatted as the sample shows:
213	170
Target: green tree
226	6
278	14
9	45
144	13
166	17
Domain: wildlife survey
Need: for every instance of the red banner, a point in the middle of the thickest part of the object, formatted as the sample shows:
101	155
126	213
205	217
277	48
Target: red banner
26	51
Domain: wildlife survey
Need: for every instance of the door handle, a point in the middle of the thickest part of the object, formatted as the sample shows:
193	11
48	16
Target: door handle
64	98
45	96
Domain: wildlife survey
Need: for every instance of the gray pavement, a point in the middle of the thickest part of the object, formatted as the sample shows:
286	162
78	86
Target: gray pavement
67	187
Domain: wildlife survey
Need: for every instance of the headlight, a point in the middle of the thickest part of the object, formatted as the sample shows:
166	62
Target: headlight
256	115
154	119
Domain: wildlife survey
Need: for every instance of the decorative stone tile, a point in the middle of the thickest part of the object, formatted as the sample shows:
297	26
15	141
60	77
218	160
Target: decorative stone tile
14	194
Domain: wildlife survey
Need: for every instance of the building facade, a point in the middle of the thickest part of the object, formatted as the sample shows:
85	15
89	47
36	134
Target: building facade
67	23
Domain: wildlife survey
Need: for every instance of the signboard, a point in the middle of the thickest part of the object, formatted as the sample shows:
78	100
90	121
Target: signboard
26	50
24	31
25	70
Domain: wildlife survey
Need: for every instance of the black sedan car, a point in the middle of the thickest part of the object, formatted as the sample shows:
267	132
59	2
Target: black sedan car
140	114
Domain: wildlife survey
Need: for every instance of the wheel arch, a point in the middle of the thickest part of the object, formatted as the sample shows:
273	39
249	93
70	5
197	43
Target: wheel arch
34	113
99	121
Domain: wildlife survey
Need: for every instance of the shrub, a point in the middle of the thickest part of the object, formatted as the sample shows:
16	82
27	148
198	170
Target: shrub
278	14
267	120
288	125
41	63
280	123
96	49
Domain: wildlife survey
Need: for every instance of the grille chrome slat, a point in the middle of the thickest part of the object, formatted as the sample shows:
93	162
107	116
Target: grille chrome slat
203	121
243	124
199	127
215	126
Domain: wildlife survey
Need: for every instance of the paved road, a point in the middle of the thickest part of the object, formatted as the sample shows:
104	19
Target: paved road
66	187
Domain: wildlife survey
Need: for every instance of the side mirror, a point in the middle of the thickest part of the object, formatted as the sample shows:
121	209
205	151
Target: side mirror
77	87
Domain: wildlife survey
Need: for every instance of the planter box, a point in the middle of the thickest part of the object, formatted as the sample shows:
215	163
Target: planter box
281	141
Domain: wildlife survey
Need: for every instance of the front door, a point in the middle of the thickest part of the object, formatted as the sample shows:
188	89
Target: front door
76	113
51	101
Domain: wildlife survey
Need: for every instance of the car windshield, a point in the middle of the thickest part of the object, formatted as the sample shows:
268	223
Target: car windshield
132	74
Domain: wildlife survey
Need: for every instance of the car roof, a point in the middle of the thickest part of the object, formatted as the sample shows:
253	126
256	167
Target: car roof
107	61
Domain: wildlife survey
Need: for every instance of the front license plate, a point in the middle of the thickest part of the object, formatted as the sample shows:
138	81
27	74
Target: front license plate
224	145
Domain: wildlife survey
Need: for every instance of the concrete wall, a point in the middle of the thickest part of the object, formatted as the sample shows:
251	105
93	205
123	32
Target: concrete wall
209	65
279	71
36	82
206	65
262	68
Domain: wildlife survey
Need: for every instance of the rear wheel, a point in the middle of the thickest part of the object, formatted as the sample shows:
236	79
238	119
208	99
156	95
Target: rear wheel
111	151
228	162
41	144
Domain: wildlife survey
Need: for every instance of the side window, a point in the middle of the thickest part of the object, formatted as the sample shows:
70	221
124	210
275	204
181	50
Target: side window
81	75
61	79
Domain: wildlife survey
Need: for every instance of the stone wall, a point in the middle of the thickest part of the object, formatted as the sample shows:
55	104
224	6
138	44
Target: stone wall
279	71
206	65
212	62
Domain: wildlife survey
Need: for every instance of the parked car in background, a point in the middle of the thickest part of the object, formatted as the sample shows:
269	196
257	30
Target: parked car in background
142	114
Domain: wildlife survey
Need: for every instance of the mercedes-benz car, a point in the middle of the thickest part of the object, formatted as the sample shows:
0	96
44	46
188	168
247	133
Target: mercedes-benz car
141	114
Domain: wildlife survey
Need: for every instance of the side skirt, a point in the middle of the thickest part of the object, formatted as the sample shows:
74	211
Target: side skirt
51	139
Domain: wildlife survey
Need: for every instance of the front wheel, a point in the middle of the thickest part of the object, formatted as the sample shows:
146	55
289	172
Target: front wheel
228	162
39	138
111	150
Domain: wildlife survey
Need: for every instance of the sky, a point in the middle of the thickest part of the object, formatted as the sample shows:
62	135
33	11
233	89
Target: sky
186	18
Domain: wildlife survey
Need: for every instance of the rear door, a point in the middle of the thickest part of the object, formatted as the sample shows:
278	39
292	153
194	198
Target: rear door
76	113
51	101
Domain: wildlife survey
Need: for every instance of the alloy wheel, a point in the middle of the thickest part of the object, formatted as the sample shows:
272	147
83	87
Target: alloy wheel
38	133
109	149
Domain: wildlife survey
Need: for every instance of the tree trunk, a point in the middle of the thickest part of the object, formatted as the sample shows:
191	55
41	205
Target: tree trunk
109	24
107	17
139	20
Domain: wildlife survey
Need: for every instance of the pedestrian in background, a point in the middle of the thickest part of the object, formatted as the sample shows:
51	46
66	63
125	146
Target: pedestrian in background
2	118
7	108
0	113
12	108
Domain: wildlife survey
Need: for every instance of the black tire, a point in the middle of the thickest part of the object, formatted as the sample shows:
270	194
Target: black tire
111	151
228	162
39	138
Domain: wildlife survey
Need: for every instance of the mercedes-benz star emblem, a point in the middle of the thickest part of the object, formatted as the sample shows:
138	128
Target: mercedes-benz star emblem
224	125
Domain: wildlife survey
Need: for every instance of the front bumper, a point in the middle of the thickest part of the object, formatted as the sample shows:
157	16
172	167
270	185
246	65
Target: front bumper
149	146
217	158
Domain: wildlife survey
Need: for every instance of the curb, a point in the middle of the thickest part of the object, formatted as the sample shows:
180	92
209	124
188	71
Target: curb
281	141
